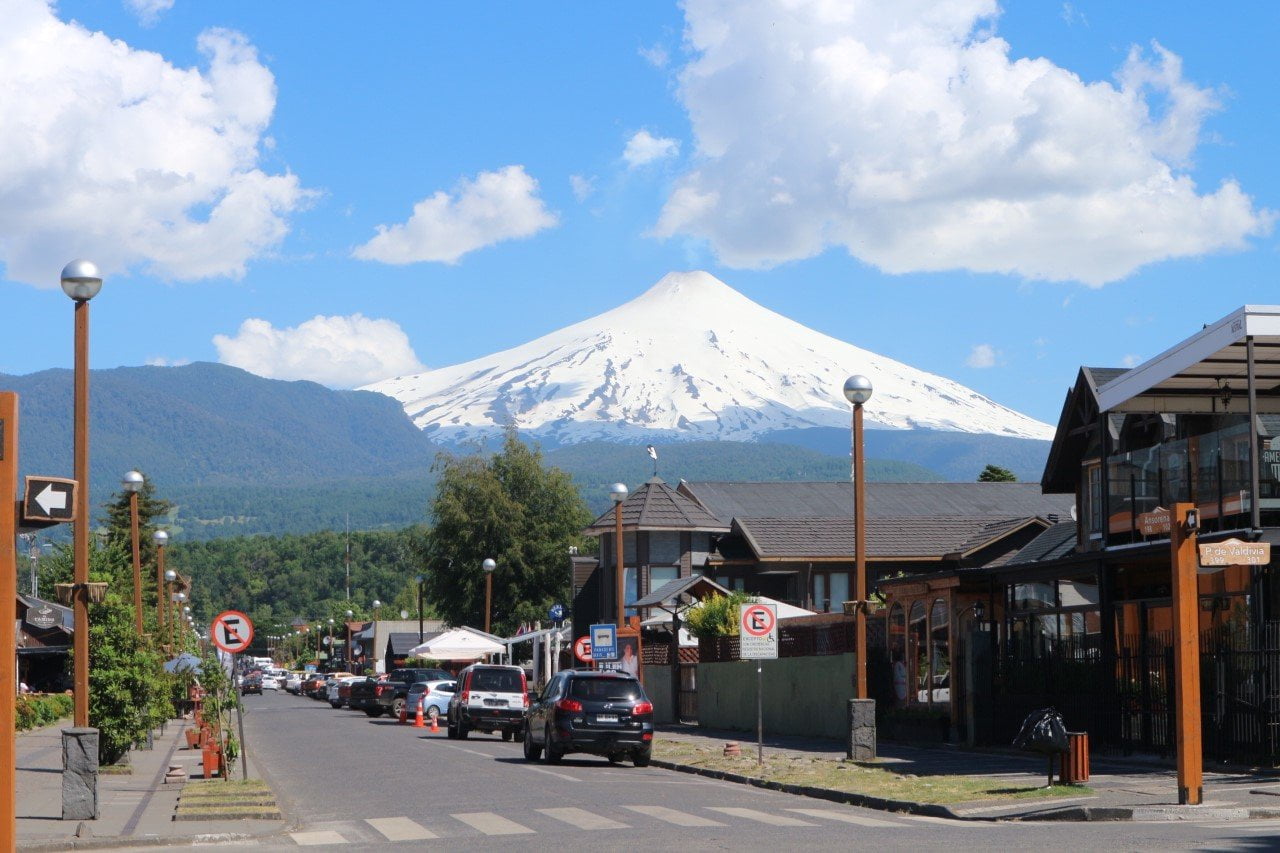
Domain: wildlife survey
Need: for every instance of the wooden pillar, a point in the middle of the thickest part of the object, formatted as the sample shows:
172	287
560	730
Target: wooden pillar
8	628
1186	656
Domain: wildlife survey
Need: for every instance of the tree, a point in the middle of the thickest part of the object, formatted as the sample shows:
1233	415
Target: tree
996	474
513	509
716	615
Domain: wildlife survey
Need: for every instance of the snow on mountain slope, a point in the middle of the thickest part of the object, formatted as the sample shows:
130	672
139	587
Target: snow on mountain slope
691	358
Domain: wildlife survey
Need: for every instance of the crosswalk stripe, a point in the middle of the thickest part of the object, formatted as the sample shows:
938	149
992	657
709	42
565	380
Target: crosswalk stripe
583	819
312	839
674	817
399	829
492	824
845	817
760	817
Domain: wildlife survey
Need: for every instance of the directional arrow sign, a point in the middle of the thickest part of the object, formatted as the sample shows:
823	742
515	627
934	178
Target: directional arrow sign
49	499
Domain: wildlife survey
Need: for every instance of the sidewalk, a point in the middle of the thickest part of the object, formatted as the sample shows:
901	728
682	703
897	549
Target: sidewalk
1122	789
135	810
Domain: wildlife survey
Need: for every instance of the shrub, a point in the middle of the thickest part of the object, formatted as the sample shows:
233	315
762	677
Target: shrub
716	615
34	711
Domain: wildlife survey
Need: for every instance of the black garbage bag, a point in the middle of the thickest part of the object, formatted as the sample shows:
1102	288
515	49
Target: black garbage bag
1042	731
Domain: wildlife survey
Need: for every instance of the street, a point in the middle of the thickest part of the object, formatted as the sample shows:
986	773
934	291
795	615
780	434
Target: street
345	779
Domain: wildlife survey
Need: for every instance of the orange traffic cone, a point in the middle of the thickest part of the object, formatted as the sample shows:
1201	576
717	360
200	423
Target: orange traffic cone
417	717
434	726
404	713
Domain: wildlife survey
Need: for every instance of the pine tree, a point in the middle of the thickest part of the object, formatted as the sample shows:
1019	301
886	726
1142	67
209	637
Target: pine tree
996	474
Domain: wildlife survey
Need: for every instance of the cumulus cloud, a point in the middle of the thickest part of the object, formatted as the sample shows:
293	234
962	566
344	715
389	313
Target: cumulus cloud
907	135
644	148
342	352
122	157
1131	360
148	11
982	355
496	206
656	56
582	186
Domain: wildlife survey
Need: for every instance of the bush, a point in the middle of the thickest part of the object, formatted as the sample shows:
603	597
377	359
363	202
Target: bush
34	711
716	615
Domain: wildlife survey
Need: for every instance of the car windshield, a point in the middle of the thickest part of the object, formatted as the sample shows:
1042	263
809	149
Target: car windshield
497	680
605	689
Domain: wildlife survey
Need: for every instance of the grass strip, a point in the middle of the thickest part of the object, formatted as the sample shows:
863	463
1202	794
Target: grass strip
848	777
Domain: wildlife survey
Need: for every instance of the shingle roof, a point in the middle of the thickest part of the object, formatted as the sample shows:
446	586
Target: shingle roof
991	501
402	643
657	506
669	590
1057	541
816	538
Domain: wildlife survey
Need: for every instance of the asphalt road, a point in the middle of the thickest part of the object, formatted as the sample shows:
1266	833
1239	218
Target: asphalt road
345	779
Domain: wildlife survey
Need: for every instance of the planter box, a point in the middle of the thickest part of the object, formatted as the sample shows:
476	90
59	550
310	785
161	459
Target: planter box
212	762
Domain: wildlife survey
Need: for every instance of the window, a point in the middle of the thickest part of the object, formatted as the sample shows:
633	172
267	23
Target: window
606	689
1092	514
917	652
897	642
658	575
939	652
839	590
820	602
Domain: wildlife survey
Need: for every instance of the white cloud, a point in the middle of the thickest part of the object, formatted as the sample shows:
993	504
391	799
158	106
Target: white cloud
906	134
162	361
656	56
644	148
583	187
148	11
496	206
342	352
123	158
1131	360
982	355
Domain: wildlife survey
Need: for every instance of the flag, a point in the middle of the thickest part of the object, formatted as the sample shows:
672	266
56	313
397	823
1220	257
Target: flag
653	452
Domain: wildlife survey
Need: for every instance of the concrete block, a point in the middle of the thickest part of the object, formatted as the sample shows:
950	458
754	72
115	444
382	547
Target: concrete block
861	745
80	774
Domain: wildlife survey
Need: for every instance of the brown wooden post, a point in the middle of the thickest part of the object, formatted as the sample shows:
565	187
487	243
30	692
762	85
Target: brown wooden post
1186	656
488	600
137	563
8	629
80	533
160	591
617	562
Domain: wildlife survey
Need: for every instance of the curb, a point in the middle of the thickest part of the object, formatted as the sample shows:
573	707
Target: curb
1152	813
107	843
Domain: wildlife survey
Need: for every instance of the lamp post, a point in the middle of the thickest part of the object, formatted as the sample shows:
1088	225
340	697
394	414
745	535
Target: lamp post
857	390
81	282
488	566
175	600
421	579
346	653
329	645
160	539
165	596
618	491
132	483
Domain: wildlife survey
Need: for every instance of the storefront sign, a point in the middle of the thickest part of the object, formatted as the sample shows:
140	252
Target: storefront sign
1154	522
1235	552
43	617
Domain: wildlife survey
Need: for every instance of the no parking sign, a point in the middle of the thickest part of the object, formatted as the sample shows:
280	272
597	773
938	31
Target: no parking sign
757	631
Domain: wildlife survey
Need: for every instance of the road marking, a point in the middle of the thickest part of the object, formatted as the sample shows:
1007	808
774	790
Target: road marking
673	816
583	819
312	839
471	751
492	824
846	817
552	773
760	817
399	828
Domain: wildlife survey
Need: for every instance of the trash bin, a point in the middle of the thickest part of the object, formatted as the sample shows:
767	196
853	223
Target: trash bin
1075	761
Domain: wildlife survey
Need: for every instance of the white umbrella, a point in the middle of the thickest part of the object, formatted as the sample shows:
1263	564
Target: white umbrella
458	644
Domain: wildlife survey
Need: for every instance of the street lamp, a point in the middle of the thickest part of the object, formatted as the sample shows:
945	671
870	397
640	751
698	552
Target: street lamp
81	281
346	653
857	390
132	483
618	491
421	579
160	539
488	566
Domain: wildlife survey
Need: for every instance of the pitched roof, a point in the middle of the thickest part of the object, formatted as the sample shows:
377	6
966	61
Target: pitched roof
798	539
990	501
1057	541
695	585
657	506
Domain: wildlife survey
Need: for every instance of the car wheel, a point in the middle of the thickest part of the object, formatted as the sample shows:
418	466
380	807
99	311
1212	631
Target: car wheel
397	706
640	758
507	734
531	750
463	729
433	712
519	735
451	730
615	757
335	705
552	753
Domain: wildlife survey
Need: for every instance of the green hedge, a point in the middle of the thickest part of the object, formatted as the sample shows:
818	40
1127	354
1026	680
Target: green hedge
40	710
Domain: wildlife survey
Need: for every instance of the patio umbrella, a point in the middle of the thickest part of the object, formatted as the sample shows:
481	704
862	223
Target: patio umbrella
460	644
182	662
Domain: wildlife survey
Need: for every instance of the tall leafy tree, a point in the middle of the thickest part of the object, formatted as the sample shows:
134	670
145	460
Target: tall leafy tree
509	507
996	474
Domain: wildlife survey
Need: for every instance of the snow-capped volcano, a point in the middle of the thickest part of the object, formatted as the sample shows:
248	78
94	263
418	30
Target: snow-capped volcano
691	358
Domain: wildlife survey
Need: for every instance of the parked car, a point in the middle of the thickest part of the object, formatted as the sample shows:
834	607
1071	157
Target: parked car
389	694
251	683
333	690
293	683
313	684
489	698
437	695
600	713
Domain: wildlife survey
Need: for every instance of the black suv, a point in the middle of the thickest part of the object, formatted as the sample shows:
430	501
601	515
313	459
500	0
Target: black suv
602	713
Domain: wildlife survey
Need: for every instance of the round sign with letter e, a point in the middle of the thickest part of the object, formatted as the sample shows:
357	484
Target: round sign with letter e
232	631
582	649
757	631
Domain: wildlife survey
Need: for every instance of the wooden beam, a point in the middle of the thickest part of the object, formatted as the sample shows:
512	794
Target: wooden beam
8	629
1186	657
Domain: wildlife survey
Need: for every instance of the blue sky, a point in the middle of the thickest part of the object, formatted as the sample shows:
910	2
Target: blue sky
995	194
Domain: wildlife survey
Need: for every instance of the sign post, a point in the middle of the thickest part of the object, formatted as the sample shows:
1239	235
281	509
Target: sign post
8	630
758	641
1186	655
232	632
604	642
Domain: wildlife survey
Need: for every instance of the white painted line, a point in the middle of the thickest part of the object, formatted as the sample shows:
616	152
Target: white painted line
470	751
313	839
583	819
552	773
674	817
845	817
760	817
492	824
399	829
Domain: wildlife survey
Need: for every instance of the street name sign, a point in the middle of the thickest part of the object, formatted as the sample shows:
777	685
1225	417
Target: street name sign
49	499
757	631
1155	522
1234	552
232	631
604	642
582	649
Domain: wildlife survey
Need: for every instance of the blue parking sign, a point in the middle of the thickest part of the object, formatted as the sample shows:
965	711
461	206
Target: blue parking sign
557	612
604	642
